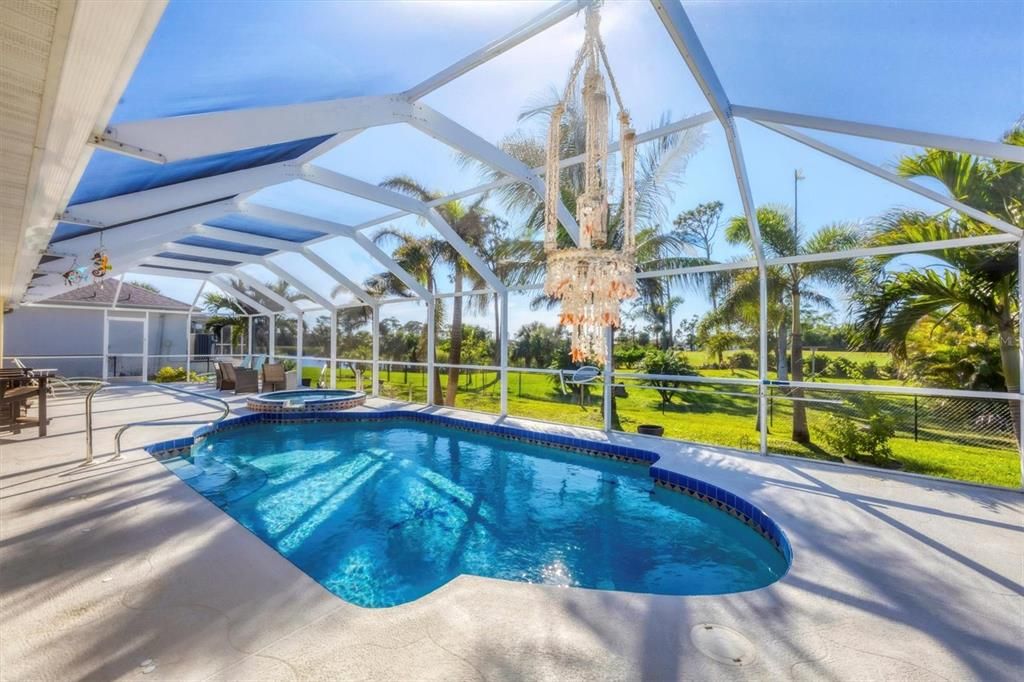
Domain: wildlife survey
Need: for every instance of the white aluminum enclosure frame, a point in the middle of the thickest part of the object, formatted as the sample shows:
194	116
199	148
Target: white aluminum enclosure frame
141	225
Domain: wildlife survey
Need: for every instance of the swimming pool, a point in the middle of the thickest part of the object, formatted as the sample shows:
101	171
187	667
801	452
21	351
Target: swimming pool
308	399
383	512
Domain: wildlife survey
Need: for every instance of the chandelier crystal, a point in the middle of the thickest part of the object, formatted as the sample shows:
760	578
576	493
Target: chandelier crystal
593	279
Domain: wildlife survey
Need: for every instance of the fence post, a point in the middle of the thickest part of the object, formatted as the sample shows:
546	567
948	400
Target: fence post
915	418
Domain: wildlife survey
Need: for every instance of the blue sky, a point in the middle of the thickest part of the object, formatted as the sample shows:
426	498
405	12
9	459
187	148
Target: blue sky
948	67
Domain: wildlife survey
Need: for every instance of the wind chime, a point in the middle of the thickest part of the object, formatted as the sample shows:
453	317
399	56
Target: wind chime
594	278
79	274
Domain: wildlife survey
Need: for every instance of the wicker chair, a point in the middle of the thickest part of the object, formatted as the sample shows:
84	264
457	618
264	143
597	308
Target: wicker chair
238	378
273	377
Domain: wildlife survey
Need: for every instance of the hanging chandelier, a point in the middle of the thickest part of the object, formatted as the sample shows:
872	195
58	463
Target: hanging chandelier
594	278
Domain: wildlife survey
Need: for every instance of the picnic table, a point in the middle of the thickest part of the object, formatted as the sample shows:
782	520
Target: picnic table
15	382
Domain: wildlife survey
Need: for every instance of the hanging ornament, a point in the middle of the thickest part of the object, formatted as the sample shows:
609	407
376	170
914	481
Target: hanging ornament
593	279
100	263
77	274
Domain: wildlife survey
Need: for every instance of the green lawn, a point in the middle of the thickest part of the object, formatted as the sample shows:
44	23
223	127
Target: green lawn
715	418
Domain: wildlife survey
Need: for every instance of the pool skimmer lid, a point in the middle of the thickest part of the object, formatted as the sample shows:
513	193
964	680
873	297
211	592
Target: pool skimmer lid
723	644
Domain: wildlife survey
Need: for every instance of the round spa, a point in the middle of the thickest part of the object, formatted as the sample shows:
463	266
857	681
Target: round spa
306	400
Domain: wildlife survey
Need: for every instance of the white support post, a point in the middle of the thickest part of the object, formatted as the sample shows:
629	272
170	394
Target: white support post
686	40
334	348
375	357
298	349
1020	352
431	330
145	348
188	332
272	341
249	337
106	346
609	377
503	350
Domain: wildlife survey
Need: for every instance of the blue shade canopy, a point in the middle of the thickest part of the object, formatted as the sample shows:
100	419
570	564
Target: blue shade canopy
237	247
68	231
144	267
198	259
249	225
110	175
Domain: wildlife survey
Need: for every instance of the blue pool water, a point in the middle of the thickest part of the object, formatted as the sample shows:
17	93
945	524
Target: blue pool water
382	513
308	394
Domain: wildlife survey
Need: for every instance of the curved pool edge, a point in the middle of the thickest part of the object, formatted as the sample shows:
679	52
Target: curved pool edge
720	498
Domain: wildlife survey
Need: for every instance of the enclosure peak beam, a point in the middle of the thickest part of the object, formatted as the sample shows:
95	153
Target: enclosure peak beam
963	145
981	216
539	23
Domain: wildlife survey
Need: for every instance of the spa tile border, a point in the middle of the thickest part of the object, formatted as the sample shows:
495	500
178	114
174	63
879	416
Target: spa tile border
720	498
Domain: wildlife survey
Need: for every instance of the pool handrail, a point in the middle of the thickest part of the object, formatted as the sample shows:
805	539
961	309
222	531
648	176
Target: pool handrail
225	411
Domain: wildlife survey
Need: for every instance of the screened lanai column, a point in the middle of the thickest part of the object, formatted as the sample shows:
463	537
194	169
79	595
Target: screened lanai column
431	328
375	353
503	350
334	348
272	336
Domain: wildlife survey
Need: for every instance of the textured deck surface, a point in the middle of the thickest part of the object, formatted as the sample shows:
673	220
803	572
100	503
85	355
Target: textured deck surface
106	568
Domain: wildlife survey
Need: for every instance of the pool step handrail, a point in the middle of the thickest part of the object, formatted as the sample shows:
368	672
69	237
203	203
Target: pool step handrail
225	411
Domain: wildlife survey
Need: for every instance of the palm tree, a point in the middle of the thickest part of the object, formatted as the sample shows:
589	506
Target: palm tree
981	282
423	258
788	285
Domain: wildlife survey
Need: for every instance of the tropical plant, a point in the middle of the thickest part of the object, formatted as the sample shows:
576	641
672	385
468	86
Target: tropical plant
866	439
665	363
980	282
427	258
788	285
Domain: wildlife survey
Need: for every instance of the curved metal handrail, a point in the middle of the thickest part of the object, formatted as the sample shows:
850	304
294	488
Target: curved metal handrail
225	411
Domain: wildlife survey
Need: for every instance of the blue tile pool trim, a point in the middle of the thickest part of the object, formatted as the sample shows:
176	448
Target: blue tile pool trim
718	497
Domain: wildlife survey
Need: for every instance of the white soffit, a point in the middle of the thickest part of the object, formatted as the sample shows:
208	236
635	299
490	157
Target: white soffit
63	67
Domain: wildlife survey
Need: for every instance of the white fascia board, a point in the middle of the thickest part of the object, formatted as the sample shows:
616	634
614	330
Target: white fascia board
292	219
196	135
986	218
388	262
298	284
993	150
365	190
445	130
224	282
682	33
334	274
151	231
205	268
138	205
541	22
169	272
246	238
255	283
380	195
464	249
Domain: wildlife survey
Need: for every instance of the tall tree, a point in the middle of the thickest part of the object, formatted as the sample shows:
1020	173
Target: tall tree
979	281
793	283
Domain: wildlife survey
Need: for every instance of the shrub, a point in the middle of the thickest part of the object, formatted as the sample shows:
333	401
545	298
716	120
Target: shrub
167	375
869	370
665	362
867	439
842	368
814	364
742	360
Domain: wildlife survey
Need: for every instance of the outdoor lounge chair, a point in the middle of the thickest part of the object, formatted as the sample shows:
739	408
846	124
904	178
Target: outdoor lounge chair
273	377
63	385
240	379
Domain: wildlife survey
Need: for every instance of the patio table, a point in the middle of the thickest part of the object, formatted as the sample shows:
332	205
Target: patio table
40	376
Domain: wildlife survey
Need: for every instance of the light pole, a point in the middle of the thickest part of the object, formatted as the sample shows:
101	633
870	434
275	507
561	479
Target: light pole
798	175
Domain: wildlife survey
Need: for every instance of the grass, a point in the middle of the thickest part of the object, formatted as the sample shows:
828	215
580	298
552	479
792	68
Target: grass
714	417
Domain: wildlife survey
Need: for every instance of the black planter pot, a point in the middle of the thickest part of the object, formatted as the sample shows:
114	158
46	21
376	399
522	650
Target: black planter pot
650	430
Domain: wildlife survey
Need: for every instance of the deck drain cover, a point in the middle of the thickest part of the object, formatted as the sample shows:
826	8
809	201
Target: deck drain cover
723	644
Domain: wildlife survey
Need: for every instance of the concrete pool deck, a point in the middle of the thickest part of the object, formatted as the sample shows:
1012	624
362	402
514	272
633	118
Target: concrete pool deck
120	570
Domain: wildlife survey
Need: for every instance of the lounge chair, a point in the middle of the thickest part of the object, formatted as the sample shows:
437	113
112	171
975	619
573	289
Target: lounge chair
240	379
273	377
60	384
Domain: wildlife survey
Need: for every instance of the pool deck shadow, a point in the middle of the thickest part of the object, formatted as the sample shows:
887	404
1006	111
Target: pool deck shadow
120	563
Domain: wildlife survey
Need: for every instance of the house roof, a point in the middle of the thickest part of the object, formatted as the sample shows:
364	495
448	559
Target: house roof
131	296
